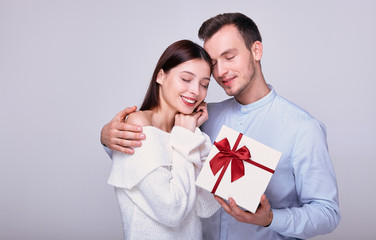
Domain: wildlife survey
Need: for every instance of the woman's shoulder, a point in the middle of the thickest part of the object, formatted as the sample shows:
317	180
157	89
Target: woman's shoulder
140	118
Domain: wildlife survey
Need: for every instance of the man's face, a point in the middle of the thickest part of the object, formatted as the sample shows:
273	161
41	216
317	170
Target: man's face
234	66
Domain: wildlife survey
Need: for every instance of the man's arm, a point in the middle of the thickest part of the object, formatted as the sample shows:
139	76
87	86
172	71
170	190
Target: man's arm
120	136
315	184
316	187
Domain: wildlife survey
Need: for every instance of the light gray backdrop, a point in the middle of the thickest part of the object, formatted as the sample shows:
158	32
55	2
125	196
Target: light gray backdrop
66	68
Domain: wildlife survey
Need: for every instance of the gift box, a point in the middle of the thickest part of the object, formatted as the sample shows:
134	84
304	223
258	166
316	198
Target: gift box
238	167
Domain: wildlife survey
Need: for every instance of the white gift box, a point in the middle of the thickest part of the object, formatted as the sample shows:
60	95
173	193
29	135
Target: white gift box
222	173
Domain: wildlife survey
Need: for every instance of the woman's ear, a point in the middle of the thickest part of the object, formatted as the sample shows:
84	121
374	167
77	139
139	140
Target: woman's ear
161	77
257	50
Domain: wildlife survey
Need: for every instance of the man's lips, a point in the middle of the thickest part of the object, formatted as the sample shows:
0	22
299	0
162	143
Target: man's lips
227	81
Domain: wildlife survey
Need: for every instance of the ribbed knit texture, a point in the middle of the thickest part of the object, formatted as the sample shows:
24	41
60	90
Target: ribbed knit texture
156	189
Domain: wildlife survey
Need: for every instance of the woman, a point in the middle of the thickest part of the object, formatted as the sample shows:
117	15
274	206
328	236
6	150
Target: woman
155	187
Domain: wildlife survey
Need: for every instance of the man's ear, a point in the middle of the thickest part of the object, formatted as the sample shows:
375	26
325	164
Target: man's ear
257	50
161	77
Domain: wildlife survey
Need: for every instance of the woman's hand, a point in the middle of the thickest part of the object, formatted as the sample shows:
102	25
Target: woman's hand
196	119
204	114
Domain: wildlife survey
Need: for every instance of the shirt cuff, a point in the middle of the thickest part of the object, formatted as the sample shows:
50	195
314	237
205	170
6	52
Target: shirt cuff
279	220
108	151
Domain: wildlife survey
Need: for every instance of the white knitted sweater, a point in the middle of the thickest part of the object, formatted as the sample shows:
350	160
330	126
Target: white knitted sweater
156	189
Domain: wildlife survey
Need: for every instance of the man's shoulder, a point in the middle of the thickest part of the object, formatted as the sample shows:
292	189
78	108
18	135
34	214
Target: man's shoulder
219	106
221	102
293	109
295	115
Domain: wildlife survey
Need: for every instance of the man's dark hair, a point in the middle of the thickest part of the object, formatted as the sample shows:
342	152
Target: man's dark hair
246	26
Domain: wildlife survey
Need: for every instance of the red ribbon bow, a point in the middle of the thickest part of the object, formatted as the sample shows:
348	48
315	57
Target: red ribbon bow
225	155
222	159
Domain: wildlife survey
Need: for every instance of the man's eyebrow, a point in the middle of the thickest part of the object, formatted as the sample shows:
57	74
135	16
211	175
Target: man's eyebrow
231	50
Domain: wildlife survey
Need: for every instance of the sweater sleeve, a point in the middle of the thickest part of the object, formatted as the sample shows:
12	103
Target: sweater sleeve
206	205
166	189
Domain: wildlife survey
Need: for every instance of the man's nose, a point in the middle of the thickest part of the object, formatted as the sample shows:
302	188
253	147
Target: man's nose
221	69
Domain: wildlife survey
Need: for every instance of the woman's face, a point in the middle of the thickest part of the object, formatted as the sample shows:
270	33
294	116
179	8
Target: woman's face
185	86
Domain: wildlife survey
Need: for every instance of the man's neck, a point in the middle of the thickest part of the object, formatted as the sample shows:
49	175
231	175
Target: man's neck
254	92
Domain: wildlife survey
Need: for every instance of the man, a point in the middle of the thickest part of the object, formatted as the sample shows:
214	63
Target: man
301	200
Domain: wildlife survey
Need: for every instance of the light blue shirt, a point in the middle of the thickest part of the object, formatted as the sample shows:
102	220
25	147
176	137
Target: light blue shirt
303	190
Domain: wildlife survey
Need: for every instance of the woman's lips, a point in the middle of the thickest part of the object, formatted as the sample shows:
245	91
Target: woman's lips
188	101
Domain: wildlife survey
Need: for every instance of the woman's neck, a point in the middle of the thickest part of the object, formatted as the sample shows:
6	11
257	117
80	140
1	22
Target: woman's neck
162	119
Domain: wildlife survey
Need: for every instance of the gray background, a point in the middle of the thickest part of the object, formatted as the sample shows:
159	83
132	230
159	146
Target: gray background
66	68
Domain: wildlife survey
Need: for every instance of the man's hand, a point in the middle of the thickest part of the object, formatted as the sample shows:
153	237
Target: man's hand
263	216
120	136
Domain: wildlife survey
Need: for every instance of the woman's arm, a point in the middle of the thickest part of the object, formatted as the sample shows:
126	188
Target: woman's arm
167	193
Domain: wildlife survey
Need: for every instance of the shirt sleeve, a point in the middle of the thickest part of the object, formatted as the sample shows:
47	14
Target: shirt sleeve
108	151
166	191
316	187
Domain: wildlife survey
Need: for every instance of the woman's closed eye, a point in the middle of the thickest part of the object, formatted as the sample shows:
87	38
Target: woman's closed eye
205	85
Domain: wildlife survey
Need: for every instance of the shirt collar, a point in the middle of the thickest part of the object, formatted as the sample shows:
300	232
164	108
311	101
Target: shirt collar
259	103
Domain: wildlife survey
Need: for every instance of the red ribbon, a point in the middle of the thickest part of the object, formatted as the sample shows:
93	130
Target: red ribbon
222	159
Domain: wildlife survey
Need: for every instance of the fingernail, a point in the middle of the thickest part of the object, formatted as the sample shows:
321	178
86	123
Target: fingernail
142	135
139	128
